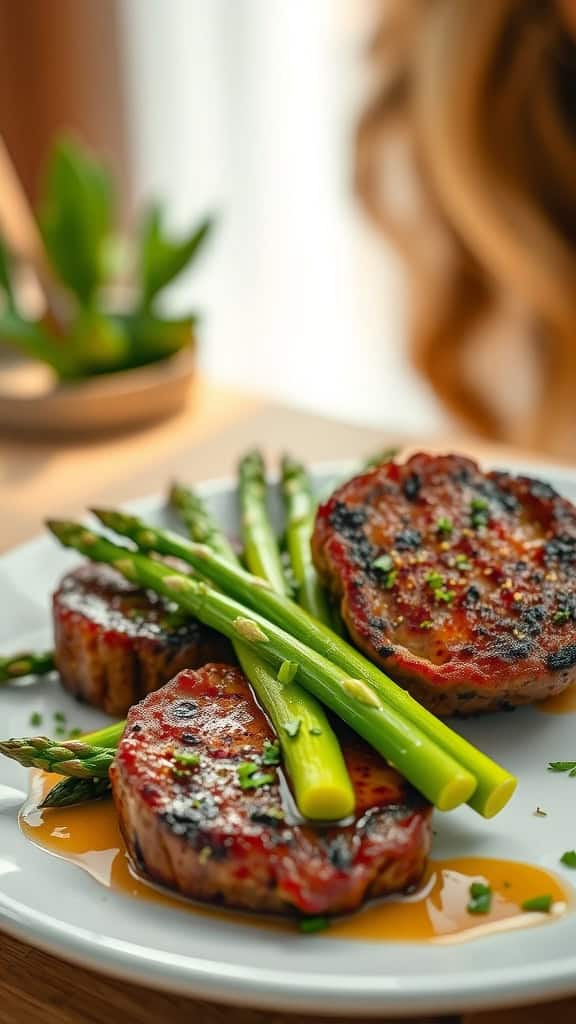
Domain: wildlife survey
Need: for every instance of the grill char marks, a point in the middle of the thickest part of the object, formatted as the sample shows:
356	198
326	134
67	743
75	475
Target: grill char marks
194	829
116	643
476	608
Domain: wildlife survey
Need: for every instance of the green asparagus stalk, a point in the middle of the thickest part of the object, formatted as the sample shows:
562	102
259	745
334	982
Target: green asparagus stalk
199	524
495	785
72	757
260	547
300	507
313	758
26	664
427	766
79	791
72	791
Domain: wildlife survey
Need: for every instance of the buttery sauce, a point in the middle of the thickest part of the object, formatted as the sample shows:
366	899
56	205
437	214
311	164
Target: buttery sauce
562	704
90	838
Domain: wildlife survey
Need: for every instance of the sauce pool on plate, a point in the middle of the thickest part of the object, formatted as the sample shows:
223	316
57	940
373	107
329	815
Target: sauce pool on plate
90	837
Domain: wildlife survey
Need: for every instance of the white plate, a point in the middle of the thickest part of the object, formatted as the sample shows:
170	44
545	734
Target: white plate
56	906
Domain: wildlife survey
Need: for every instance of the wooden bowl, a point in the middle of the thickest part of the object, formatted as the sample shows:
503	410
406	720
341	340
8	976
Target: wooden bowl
32	402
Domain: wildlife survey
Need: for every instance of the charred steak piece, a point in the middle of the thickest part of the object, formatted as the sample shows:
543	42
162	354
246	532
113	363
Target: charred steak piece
115	643
461	584
196	818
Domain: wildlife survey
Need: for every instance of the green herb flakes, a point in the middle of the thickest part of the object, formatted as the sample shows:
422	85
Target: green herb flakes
480	898
461	562
59	716
434	580
444	526
185	759
538	904
251	777
563	766
271	753
383	562
479	512
309	925
426	624
36	719
569	859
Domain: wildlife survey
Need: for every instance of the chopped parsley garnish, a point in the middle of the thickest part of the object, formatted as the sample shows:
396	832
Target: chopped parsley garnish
309	925
569	859
479	511
480	898
59	716
187	760
73	734
462	563
36	719
538	904
444	526
426	624
385	564
292	728
435	581
271	753
561	616
563	766
251	777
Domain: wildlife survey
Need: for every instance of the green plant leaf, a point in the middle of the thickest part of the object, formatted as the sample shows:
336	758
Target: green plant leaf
162	259
75	217
6	276
100	343
34	340
153	338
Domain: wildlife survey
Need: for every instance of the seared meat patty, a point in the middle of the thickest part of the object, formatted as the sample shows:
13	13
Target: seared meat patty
115	643
461	584
190	825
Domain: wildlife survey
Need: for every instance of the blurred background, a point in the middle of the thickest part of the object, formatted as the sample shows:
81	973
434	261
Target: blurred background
259	114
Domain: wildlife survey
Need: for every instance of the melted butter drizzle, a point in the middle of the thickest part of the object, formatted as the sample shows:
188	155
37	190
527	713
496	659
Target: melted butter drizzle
90	837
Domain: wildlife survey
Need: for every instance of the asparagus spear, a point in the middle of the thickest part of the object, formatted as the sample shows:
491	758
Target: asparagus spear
78	791
199	524
314	761
300	509
429	768
71	791
260	547
495	784
72	757
26	664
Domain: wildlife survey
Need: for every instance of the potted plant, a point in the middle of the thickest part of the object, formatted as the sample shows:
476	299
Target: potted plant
115	359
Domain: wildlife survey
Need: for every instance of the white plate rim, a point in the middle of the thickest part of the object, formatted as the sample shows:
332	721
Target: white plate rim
275	989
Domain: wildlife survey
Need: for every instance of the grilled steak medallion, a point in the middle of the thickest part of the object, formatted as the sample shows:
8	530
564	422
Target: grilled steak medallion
115	643
461	584
191	824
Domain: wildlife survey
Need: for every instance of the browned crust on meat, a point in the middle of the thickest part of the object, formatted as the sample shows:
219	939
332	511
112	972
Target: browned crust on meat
115	643
459	583
197	831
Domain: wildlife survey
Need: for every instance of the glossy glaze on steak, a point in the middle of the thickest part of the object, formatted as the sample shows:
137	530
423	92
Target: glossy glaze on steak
115	643
190	825
461	584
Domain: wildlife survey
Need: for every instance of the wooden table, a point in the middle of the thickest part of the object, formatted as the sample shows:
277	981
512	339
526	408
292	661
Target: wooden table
39	476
